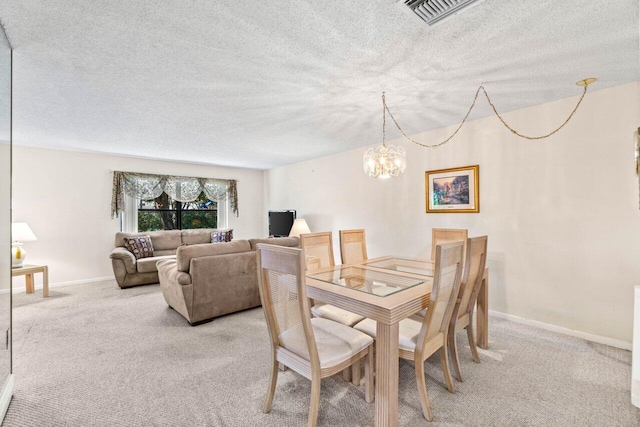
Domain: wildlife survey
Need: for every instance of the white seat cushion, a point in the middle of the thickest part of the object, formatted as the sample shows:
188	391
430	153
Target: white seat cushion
337	342
409	330
381	289
328	311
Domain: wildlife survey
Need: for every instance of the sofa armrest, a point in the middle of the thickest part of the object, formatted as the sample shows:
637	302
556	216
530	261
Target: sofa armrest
168	269
127	258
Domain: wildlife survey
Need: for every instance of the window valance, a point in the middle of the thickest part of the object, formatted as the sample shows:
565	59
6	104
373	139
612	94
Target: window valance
146	186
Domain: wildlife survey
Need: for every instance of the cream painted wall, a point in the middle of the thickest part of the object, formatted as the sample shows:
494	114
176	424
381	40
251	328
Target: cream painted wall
5	217
561	214
65	197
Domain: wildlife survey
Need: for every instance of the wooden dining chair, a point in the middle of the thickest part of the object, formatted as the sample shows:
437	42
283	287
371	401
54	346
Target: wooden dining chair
462	317
353	246
420	337
318	248
315	348
440	236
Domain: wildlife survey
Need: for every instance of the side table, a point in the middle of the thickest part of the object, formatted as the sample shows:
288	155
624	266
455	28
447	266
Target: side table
28	270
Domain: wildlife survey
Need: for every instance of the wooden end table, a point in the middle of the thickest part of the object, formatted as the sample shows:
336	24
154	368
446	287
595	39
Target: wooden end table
28	270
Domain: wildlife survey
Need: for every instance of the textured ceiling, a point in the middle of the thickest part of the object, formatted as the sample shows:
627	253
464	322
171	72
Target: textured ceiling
264	84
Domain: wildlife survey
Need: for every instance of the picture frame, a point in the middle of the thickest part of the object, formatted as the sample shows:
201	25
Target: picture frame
453	190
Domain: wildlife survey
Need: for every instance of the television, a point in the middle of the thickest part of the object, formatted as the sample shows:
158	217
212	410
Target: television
280	222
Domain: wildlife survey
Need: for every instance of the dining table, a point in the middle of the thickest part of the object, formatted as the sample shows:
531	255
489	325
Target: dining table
387	289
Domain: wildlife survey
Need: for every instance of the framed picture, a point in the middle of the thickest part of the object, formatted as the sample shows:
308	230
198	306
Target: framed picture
454	190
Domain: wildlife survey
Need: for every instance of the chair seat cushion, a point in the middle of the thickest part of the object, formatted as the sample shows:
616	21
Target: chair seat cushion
337	342
328	311
148	265
408	334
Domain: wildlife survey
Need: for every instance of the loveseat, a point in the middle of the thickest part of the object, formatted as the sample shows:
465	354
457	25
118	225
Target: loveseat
210	280
130	271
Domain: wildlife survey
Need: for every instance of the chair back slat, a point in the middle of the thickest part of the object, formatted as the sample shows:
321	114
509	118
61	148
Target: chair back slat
440	236
473	273
353	246
284	300
446	282
318	249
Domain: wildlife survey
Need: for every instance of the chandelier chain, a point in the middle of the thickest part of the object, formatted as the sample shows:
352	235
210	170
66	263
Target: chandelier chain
493	107
384	119
515	132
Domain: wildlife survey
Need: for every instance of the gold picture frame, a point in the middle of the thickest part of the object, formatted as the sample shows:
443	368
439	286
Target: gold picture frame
453	190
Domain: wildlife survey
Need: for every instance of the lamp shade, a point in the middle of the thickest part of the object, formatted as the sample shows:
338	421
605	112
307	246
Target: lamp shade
299	227
20	232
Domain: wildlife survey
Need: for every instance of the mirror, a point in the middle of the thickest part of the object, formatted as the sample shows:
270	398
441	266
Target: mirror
5	209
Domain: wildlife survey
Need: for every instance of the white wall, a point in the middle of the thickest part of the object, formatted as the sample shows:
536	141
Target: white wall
5	216
561	214
65	197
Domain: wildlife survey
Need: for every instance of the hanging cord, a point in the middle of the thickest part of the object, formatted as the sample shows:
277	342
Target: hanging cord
515	132
585	83
384	119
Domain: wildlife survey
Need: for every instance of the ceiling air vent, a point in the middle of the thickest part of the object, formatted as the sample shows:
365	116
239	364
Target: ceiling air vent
435	11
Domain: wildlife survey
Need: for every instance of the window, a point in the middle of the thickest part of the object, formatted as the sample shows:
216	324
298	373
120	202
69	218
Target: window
153	201
164	213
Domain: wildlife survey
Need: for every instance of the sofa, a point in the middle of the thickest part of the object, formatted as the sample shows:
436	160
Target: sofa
206	281
130	271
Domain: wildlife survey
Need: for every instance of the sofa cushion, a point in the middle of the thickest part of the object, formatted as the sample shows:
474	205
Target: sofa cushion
197	236
148	265
162	240
139	246
292	242
222	236
164	253
186	253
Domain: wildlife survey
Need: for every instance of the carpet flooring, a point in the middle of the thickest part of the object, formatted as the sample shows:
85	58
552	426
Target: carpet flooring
96	355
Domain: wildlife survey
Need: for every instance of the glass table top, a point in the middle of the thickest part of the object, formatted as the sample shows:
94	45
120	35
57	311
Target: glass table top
405	265
373	282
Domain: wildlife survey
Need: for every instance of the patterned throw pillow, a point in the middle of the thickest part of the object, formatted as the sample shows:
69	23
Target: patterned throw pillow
139	246
222	236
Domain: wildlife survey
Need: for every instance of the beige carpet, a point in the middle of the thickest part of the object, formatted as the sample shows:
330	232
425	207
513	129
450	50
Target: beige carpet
96	355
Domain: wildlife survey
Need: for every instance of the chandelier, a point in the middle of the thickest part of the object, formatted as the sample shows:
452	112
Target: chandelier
384	161
387	161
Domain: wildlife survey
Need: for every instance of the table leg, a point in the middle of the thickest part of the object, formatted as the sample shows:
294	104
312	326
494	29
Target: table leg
387	367
482	315
45	282
29	282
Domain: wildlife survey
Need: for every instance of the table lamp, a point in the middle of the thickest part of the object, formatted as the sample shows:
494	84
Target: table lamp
20	233
299	227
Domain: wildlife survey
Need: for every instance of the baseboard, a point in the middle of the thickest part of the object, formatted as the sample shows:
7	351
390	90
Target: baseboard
77	282
5	397
565	331
19	289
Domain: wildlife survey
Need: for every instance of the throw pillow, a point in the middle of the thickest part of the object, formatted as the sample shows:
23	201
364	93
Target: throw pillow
222	236
139	246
